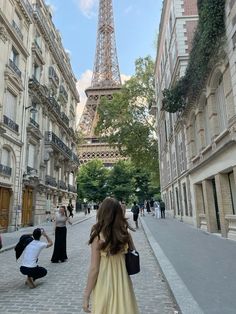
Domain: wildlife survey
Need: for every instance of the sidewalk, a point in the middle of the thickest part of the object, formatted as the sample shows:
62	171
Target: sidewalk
200	267
10	239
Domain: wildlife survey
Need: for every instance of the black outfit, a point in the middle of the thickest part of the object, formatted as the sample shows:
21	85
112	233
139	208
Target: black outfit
34	272
135	211
59	252
148	207
162	207
70	210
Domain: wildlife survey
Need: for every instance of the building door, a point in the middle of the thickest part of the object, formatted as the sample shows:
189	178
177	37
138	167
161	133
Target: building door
5	196
216	204
27	207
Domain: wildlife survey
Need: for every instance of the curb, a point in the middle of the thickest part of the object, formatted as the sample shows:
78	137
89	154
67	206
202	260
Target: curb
184	299
10	247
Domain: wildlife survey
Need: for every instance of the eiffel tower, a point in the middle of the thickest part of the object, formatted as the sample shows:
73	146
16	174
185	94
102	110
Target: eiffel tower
105	82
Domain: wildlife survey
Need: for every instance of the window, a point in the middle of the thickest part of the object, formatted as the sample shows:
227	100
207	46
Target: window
171	23
221	105
17	20
206	125
181	153
34	112
232	191
11	105
6	157
14	57
36	72
196	135
38	39
185	199
31	156
177	200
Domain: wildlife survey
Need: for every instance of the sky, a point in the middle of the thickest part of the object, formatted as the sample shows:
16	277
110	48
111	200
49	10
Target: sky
136	28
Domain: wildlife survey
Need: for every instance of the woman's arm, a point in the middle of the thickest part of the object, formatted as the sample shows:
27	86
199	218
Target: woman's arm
93	273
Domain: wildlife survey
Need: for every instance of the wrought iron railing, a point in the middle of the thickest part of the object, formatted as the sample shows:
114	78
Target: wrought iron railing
28	7
5	170
75	158
62	185
64	118
53	75
34	123
63	93
11	124
14	67
50	181
54	105
72	188
52	138
31	171
17	29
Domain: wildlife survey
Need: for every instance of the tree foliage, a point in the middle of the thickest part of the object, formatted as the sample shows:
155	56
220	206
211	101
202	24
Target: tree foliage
206	51
124	121
124	182
92	181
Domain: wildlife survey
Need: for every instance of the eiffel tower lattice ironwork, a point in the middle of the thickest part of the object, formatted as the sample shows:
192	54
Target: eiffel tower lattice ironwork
105	82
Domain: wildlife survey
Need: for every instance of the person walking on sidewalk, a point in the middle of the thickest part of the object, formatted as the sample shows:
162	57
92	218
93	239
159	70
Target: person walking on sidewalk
135	211
163	208
157	209
29	266
152	207
59	252
70	208
108	279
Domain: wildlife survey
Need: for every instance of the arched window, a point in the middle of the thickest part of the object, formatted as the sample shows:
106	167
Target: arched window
206	125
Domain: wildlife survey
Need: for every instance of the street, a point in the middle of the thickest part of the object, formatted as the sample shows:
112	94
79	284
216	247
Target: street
61	290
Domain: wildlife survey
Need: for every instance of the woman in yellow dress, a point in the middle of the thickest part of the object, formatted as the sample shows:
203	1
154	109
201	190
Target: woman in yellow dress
108	280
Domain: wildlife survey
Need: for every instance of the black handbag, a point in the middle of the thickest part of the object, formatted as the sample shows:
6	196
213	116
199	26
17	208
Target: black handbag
132	262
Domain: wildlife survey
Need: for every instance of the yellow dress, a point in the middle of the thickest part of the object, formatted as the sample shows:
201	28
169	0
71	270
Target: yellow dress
113	293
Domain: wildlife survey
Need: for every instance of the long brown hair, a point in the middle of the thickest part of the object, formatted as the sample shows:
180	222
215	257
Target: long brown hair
112	224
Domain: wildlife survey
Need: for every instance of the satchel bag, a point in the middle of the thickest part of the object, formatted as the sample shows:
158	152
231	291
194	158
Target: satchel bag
132	262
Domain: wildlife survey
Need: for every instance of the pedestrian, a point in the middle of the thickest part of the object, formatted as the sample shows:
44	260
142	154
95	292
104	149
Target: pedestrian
135	211
141	206
85	208
59	252
29	266
148	207
70	209
123	206
157	209
108	279
163	208
152	207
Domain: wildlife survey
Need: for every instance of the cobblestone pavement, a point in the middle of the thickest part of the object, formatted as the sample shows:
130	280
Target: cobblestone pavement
62	289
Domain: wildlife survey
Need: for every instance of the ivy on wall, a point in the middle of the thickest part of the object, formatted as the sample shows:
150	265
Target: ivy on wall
207	41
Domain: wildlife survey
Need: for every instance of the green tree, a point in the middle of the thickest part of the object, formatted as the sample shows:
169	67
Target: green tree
124	122
92	181
120	182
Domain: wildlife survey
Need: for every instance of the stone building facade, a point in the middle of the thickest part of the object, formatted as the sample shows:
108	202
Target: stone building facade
38	100
206	184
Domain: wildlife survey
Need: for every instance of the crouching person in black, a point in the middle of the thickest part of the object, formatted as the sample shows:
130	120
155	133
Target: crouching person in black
29	266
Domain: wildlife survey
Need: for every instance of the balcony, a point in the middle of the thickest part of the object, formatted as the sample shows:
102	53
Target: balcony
54	105
65	119
17	29
72	188
62	185
51	138
32	171
53	76
75	158
11	124
26	6
14	67
50	181
63	96
5	170
34	123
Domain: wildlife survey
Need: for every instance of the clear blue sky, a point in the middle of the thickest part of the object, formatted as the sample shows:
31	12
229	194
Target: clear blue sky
136	23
